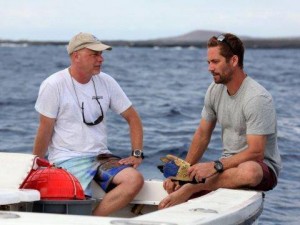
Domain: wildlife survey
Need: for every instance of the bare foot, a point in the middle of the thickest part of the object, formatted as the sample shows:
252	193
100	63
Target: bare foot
181	195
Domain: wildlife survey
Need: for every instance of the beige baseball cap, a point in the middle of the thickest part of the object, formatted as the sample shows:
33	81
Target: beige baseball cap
86	40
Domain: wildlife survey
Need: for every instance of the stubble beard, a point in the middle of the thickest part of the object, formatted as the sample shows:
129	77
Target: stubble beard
222	78
219	78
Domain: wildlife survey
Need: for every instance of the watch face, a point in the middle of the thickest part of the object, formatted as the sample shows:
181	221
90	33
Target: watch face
137	153
218	166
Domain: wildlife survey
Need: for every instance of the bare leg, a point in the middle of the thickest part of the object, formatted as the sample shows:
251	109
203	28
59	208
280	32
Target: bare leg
179	196
246	174
129	182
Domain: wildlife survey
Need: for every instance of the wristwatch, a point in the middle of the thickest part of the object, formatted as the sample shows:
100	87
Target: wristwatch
219	166
137	153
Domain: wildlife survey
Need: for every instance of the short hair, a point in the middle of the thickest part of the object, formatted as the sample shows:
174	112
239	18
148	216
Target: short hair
230	45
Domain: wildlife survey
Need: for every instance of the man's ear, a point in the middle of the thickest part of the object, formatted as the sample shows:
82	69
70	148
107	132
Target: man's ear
235	60
75	55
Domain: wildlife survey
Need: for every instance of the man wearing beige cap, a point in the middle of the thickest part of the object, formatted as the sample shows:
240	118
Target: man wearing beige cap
73	104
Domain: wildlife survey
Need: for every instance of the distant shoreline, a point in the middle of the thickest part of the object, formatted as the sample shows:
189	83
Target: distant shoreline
196	38
249	43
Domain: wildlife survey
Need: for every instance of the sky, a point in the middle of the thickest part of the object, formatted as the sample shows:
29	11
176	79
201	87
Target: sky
59	20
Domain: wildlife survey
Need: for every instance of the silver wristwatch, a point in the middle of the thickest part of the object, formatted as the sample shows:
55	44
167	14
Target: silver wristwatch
137	153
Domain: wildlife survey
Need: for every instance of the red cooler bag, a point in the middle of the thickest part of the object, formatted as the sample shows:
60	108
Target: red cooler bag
53	183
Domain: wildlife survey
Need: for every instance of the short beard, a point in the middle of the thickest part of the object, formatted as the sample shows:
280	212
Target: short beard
224	78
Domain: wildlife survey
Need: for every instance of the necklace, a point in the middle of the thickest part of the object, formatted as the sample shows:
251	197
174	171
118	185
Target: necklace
100	118
81	107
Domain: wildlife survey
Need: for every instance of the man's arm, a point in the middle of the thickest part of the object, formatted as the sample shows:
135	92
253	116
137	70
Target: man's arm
43	136
135	127
198	146
200	141
254	152
136	135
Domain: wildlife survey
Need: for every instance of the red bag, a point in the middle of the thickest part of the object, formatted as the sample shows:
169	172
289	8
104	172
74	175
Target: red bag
53	182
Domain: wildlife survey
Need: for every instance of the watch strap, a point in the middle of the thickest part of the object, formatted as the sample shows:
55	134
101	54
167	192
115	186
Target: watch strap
138	153
218	166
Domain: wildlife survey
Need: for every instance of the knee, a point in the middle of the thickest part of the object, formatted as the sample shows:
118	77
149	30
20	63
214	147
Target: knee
135	180
252	173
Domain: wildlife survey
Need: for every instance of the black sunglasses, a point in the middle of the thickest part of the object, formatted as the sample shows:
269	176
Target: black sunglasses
97	121
222	38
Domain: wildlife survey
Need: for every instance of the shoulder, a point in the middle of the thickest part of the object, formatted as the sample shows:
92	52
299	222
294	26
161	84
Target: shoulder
254	90
106	80
215	90
105	77
56	78
257	99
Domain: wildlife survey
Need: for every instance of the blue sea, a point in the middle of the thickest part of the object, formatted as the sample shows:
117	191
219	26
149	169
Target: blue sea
167	87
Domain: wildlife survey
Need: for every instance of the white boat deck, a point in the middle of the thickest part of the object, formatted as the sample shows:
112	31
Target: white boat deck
223	206
8	196
13	196
14	169
218	207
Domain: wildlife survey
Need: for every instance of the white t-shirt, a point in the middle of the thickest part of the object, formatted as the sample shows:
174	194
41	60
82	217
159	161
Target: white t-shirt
58	98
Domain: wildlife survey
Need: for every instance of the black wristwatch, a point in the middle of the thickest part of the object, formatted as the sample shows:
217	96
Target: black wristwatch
137	153
219	166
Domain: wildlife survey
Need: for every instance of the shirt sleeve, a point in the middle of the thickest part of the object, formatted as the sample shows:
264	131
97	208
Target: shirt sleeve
260	116
119	101
208	113
47	102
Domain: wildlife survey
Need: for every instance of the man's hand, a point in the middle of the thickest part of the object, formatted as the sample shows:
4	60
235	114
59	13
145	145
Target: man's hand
201	171
171	186
131	160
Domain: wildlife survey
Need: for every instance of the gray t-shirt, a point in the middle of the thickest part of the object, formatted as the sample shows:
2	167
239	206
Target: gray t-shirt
249	111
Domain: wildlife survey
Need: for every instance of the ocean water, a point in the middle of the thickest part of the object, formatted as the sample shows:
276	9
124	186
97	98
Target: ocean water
167	87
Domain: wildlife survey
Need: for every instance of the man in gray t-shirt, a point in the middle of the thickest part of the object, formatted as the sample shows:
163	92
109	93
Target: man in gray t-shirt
246	113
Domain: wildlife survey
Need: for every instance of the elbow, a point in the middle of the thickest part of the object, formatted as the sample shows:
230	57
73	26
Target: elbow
259	155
